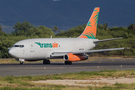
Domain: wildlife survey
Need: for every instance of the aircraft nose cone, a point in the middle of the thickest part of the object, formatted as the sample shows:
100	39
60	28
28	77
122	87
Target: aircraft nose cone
12	52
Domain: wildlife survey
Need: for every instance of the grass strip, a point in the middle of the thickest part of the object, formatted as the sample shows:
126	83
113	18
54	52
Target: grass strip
24	82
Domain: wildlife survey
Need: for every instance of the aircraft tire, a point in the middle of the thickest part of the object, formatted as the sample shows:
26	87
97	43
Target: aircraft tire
46	61
68	63
21	63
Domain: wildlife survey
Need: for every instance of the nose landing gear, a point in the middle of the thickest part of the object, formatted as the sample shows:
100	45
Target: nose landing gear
21	63
20	60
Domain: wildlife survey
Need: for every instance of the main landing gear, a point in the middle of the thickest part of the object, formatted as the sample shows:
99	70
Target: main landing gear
68	63
46	61
21	63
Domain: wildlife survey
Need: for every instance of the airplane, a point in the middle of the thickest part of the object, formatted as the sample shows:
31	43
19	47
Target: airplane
69	49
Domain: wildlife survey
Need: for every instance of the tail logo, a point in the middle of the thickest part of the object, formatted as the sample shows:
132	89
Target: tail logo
91	27
96	18
89	35
89	24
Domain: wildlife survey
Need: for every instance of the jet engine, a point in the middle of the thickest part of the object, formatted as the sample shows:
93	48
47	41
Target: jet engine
73	58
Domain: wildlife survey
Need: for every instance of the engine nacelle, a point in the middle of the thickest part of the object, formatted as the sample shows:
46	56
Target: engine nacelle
73	58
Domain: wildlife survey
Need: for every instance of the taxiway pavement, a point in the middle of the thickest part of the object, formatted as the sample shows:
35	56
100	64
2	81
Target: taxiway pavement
35	68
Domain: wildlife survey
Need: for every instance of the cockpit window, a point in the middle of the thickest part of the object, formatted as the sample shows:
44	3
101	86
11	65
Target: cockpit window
18	46
21	45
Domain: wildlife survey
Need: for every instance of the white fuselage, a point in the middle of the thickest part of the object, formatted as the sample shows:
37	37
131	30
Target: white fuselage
42	48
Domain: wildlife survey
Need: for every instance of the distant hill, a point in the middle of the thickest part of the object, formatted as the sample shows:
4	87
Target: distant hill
65	13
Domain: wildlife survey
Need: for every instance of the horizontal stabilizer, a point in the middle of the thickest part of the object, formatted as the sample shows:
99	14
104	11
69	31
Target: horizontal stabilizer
107	39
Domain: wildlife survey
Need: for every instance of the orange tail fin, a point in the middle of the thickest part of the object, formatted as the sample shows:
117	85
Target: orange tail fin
91	27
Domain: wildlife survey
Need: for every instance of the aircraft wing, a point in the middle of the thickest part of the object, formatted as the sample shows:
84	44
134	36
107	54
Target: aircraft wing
82	52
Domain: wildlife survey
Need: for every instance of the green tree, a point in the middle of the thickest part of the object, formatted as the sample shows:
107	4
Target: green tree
22	28
73	32
55	28
105	26
41	32
2	33
131	26
45	32
1	28
100	26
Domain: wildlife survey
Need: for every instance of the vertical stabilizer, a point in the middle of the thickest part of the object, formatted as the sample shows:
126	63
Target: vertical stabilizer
91	27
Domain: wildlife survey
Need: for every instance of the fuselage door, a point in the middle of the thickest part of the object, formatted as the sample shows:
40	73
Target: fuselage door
31	47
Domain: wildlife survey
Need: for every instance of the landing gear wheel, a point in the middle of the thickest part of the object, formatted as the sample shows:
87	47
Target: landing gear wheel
21	63
46	61
68	63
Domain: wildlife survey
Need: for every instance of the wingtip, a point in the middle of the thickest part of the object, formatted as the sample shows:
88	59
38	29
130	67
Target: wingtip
120	37
126	48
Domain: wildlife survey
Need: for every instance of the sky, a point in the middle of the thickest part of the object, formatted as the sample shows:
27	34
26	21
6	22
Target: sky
65	14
